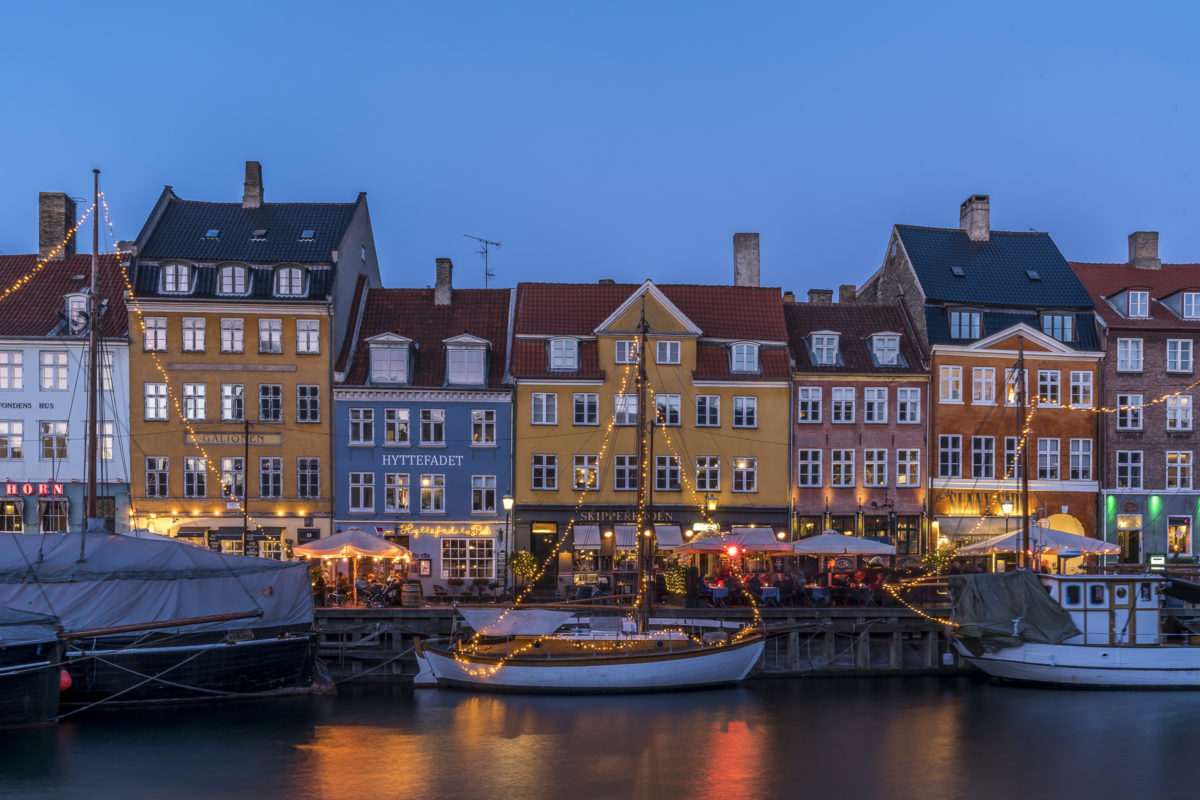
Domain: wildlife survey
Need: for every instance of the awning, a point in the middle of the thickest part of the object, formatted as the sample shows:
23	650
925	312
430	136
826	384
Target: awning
229	532
626	536
974	529
272	533
587	537
192	532
668	536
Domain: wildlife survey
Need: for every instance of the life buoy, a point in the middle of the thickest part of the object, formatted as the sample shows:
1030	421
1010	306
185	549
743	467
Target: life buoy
64	680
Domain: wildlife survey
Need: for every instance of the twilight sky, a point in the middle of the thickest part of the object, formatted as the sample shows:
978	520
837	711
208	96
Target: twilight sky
619	139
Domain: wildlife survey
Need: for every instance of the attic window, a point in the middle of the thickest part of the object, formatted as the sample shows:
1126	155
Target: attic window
958	272
212	233
260	235
307	234
1033	274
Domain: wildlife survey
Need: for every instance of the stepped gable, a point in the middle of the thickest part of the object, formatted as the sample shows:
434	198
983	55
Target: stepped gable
33	309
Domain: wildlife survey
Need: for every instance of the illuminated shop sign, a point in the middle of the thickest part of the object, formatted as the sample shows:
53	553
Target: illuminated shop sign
40	489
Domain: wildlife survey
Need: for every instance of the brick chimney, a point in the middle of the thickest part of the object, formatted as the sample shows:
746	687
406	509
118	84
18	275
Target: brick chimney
820	296
847	293
56	216
443	290
974	217
745	259
789	297
252	194
1143	250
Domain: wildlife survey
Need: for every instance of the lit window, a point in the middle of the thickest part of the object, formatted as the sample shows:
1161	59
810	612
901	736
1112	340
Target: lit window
433	494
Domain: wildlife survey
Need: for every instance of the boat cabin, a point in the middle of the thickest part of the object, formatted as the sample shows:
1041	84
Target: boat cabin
1110	609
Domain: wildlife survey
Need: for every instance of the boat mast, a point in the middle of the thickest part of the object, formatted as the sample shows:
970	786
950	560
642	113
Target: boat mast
1024	560
644	516
93	393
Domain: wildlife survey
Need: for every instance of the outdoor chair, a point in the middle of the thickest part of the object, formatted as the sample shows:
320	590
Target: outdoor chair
439	594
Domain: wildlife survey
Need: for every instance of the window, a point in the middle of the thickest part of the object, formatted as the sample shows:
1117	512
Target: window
106	370
483	427
708	474
1179	413
362	491
587	408
668	353
824	349
1048	459
875	404
842	403
155	395
808	402
53	516
564	354
545	471
11	369
176	277
625	351
12	439
1012	457
950	456
433	494
808	468
587	473
155	337
395	426
983	385
908	467
965	324
841	468
886	349
468	558
1129	412
308	336
466	366
625	409
195	475
1129	469
53	370
270	336
433	426
745	412
233	401
1060	326
1179	469
233	477
233	337
1081	389
270	402
483	494
395	492
1081	459
1179	355
744	358
666	409
745	474
362	426
289	281
625	473
1014	384
908	405
233	280
105	439
1129	355
1048	387
544	408
389	364
950	384
270	478
708	411
875	467
157	476
308	478
1191	305
195	401
1139	303
666	474
308	403
983	456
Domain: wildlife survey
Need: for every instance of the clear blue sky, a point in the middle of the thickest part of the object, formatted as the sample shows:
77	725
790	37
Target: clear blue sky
620	139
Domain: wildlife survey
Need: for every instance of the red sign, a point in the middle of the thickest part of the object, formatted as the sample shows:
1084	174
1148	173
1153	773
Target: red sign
39	489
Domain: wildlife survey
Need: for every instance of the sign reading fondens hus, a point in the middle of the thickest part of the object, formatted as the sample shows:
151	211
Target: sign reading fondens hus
214	438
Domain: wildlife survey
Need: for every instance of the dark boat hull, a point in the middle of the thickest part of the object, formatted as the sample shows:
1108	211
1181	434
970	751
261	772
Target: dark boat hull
29	683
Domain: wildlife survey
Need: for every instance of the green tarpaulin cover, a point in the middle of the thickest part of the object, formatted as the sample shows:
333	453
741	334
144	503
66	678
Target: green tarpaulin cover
1005	609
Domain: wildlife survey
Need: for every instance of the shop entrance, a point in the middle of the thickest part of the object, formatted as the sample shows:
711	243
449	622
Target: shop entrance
543	543
1131	546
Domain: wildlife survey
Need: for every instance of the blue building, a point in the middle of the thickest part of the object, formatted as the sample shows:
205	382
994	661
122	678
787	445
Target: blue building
423	427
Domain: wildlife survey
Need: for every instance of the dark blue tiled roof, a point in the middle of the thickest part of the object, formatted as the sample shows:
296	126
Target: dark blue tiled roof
937	325
180	232
261	284
993	272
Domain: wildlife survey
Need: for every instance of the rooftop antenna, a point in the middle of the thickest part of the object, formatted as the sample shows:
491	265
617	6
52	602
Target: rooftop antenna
483	251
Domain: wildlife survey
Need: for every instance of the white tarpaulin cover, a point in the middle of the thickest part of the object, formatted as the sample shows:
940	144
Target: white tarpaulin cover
23	627
515	622
832	543
126	581
1041	540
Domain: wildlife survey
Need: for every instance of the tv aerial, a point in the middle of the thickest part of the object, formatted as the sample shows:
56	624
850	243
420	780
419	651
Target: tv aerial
484	244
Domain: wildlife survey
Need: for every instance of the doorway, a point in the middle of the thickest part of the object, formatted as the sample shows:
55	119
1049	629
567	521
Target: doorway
543	544
1131	546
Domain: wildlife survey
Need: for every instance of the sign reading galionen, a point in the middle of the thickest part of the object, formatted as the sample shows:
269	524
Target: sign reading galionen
214	438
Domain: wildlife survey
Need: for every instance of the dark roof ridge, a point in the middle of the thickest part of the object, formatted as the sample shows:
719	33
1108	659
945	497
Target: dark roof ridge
265	204
960	230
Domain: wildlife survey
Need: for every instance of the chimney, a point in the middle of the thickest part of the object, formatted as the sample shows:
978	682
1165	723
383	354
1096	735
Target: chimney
789	297
820	296
1143	250
252	195
442	290
974	217
847	293
745	259
56	216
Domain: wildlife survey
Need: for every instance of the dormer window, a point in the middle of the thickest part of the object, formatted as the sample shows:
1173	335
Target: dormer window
465	366
1191	305
232	280
965	324
1060	326
176	278
885	349
76	312
1139	303
289	281
564	354
824	349
743	357
389	360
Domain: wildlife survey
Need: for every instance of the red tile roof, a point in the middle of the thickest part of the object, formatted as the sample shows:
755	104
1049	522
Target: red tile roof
1106	280
855	322
33	309
530	360
360	288
412	313
712	363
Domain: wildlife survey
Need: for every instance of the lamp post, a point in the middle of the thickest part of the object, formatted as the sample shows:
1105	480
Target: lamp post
507	500
1006	508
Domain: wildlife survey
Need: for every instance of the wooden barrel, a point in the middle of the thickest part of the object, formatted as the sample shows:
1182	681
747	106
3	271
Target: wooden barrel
410	596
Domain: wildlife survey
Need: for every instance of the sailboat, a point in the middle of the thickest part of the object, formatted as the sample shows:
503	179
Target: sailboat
537	650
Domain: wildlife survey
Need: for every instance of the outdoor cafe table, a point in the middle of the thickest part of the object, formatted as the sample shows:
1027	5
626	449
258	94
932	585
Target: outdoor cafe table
770	594
720	595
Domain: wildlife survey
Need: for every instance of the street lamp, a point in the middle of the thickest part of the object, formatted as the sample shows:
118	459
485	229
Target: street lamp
507	500
710	502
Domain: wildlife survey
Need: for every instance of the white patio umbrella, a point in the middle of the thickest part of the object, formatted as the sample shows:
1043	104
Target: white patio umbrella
351	544
832	543
1042	540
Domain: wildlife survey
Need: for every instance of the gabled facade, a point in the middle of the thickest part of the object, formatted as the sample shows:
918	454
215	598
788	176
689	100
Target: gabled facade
238	311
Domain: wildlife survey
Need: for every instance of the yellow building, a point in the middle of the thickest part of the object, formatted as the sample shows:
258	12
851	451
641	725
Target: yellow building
233	333
718	370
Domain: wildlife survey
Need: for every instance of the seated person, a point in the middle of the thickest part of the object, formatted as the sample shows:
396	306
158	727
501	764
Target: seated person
702	587
754	585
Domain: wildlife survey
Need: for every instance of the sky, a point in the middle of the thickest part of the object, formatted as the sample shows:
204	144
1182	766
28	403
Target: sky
623	140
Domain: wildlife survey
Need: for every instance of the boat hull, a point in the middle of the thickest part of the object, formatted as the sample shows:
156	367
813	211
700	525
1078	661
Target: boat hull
1165	667
29	683
688	668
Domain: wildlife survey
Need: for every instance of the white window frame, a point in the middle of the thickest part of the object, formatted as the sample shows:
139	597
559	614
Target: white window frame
1133	465
875	467
908	405
483	427
875	405
154	396
543	408
1179	412
389	363
886	349
808	468
1138	304
466	366
483	494
195	401
193	338
362	492
908	468
233	335
708	473
232	280
667	351
433	493
667	411
625	409
433	427
745	411
397	493
586	408
983	386
587	466
841	404
289	282
397	430
154	334
743	357
1129	412
1049	459
950	383
361	430
1081	460
745	475
841	467
983	457
1179	355
270	336
544	472
708	411
564	355
825	349
808	404
1081	389
625	351
1129	355
949	455
1179	470
308	336
1049	387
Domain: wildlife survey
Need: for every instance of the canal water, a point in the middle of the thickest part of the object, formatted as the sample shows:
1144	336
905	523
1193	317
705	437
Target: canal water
800	738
